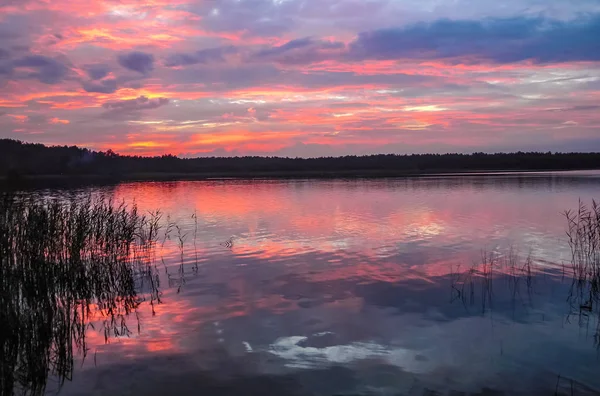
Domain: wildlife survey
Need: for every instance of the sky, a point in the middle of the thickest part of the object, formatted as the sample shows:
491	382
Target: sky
301	77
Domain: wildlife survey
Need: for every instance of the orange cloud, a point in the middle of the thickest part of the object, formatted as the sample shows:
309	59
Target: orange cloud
18	117
58	121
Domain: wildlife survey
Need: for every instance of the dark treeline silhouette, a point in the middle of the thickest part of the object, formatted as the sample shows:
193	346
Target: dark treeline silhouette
24	159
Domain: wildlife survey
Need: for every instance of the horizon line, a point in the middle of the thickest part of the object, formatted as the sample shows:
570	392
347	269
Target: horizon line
108	151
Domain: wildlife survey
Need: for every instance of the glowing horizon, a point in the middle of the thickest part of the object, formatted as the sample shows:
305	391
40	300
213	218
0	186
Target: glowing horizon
301	78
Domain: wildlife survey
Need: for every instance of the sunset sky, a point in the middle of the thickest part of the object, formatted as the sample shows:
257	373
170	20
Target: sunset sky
301	77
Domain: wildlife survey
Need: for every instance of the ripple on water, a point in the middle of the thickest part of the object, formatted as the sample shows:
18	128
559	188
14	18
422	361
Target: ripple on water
355	279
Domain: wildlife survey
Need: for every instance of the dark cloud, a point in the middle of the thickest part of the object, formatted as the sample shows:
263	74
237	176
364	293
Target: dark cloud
42	68
97	71
17	26
585	108
209	55
289	46
132	85
302	51
20	48
140	62
3	53
105	86
5	69
576	108
133	105
6	33
50	39
37	119
467	41
341	79
496	40
226	77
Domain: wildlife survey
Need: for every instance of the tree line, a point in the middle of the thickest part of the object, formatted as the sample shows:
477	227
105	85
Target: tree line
27	159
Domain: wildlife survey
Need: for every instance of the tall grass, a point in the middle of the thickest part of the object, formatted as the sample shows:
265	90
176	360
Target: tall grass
480	278
62	265
584	239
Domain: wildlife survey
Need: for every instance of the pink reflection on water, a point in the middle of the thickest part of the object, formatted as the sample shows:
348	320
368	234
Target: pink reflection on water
315	239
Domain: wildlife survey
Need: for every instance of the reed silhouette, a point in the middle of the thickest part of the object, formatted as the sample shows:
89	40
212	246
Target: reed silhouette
476	285
65	265
584	240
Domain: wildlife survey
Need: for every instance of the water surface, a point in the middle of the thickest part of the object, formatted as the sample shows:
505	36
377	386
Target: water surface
355	287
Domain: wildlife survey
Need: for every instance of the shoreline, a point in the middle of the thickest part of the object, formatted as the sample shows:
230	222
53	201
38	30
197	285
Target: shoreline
265	175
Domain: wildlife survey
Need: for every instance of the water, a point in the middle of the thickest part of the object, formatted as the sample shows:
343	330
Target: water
355	287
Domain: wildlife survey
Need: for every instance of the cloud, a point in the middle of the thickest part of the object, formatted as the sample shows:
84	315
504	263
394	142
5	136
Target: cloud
38	119
9	30
56	120
42	68
289	46
576	108
105	86
302	51
226	77
5	69
97	71
585	107
133	105
496	40
502	41
340	76
140	62
14	2
209	55
252	17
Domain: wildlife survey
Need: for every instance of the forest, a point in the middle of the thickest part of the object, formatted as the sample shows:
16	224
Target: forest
19	159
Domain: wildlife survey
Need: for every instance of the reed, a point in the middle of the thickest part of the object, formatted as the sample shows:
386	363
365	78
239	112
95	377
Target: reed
481	279
65	264
584	240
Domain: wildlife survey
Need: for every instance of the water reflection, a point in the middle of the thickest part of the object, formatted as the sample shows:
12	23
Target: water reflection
355	287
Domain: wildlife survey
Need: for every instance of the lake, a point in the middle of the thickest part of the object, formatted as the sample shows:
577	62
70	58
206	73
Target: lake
439	285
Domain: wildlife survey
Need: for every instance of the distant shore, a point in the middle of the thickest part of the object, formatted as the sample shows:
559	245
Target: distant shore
34	164
256	175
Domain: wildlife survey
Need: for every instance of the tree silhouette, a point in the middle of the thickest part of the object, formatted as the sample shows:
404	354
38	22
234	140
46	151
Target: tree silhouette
18	159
